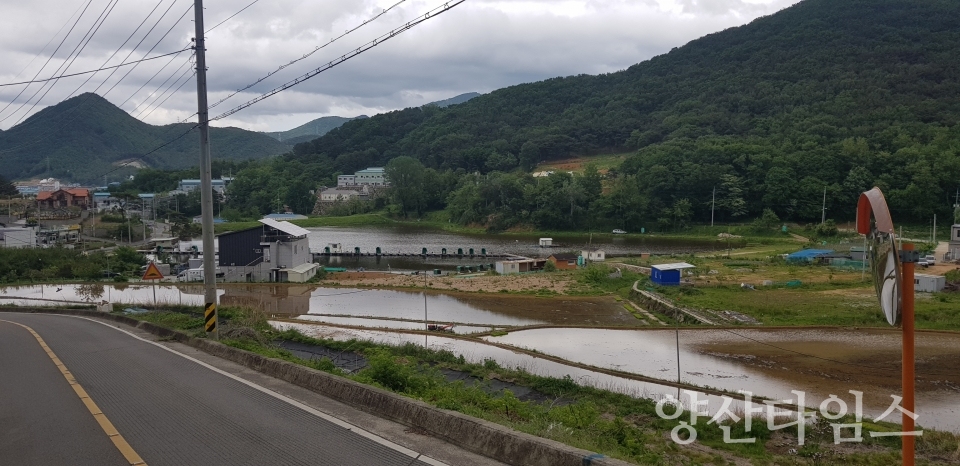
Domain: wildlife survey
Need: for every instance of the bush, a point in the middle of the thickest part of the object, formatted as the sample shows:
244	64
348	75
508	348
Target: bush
827	228
549	267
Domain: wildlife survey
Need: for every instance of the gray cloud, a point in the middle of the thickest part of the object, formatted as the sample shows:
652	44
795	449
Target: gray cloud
480	46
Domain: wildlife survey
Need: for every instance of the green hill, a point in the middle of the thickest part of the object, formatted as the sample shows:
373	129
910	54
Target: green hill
84	137
323	125
455	100
822	95
311	130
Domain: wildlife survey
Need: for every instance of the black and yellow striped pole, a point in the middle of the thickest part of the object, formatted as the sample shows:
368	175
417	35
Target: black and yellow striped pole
210	319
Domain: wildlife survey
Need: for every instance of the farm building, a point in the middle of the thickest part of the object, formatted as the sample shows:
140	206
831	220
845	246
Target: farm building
926	283
518	266
593	255
299	274
668	274
808	255
564	261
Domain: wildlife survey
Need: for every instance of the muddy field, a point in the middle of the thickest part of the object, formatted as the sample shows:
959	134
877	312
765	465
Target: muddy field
478	283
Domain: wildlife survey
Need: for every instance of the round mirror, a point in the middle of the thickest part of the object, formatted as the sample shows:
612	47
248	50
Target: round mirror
885	268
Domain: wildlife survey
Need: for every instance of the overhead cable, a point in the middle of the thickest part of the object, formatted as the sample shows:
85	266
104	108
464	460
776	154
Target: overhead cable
170	95
363	48
164	36
48	60
158	96
81	73
308	54
85	40
231	16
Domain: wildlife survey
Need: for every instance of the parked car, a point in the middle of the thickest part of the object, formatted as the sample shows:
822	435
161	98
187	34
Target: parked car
619	232
931	259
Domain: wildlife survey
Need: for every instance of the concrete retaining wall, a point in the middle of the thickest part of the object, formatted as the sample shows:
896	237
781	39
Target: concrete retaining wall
476	435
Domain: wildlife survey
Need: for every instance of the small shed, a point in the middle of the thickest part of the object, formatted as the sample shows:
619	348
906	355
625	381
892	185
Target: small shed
516	266
546	242
858	253
668	274
564	261
926	283
807	255
593	255
302	272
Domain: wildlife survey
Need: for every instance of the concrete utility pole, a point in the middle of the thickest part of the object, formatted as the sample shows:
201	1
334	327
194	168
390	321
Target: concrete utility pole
823	216
713	204
206	185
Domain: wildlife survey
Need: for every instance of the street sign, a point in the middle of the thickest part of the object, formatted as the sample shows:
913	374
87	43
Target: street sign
152	273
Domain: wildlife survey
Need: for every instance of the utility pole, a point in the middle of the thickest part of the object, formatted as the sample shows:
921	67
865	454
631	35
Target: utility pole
823	216
934	231
713	204
206	185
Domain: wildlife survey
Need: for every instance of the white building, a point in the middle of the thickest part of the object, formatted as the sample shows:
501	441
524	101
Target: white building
219	185
594	255
373	176
953	248
346	180
516	266
925	283
334	195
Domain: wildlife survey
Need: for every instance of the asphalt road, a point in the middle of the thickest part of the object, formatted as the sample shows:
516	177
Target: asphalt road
169	409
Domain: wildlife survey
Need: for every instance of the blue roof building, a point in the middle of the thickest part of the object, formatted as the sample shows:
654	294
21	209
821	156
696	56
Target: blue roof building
668	274
807	255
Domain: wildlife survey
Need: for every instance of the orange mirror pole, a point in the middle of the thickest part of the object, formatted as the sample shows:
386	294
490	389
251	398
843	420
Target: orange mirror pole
908	358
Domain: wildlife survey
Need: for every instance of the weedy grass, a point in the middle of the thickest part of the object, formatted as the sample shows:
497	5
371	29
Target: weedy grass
613	424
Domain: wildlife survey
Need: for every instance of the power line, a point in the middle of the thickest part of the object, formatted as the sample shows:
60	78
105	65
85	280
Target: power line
85	40
46	62
81	73
54	36
83	103
158	96
308	54
171	94
164	36
178	70
363	48
161	146
231	16
165	65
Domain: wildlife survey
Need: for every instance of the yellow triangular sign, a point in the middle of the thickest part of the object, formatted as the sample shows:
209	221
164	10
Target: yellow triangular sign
152	273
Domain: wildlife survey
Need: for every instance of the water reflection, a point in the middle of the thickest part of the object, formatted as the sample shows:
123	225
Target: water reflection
771	363
478	352
133	294
411	239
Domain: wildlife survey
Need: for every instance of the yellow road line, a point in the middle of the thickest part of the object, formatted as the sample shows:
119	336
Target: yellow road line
118	441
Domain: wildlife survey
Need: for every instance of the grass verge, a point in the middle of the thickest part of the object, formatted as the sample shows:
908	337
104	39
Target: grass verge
617	425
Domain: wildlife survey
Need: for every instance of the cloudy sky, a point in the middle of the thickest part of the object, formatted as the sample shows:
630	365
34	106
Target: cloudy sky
480	45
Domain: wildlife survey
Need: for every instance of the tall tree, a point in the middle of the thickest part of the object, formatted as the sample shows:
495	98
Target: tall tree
405	175
7	188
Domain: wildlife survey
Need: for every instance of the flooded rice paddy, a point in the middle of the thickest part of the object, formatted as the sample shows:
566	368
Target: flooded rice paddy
768	362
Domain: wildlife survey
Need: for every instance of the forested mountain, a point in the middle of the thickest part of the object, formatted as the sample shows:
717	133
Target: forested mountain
455	100
826	94
311	129
83	137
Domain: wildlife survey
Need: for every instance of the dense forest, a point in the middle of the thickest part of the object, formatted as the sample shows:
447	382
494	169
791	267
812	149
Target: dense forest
822	96
821	100
85	137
